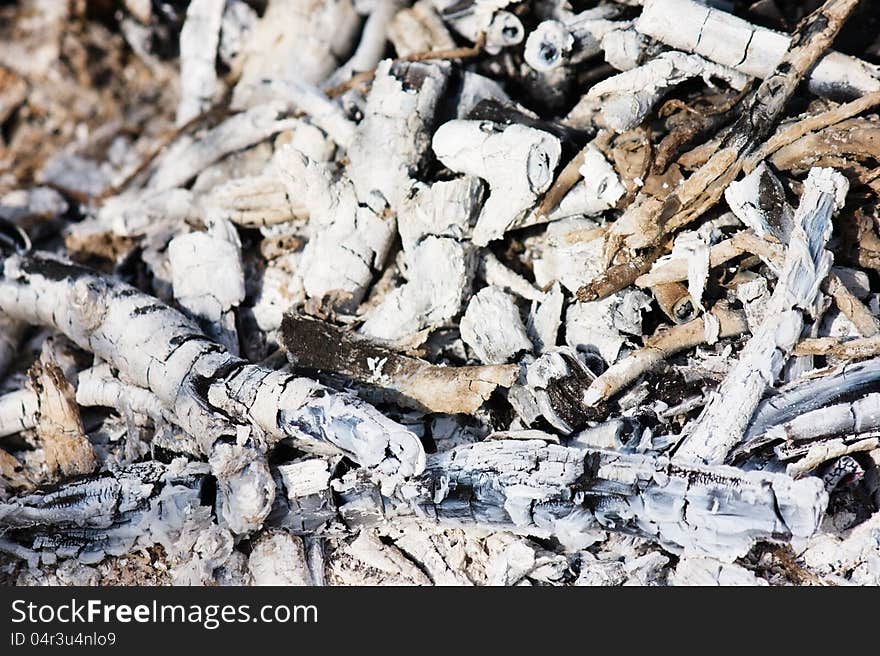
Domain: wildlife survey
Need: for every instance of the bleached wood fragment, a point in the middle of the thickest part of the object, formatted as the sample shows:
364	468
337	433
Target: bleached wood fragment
418	29
11	333
555	383
667	269
493	328
279	558
753	50
199	41
855	552
544	489
517	162
314	344
109	513
495	273
208	278
815	455
707	572
795	130
211	392
641	224
239	18
569	38
254	201
186	158
675	301
133	214
758	200
395	133
545	317
571	253
294	40
97	386
864	321
727	414
623	101
59	427
659	347
371	46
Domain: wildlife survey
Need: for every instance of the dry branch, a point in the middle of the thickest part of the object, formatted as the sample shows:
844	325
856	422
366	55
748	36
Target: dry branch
211	392
320	346
729	410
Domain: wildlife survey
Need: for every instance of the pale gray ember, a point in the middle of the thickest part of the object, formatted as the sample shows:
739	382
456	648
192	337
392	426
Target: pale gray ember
493	328
439	292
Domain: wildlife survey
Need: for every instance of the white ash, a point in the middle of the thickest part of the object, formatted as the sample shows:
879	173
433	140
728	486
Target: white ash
723	424
418	29
753	50
199	40
239	18
569	38
497	274
516	161
294	40
622	102
371	47
691	247
187	158
279	558
292	195
493	328
135	213
394	134
707	572
250	161
545	318
603	325
208	279
570	253
600	190
443	209
439	281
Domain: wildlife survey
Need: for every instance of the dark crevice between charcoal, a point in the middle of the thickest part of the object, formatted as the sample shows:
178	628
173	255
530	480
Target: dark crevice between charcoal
427	438
284	452
501	413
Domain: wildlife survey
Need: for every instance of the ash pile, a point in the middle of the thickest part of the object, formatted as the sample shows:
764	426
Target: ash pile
445	292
